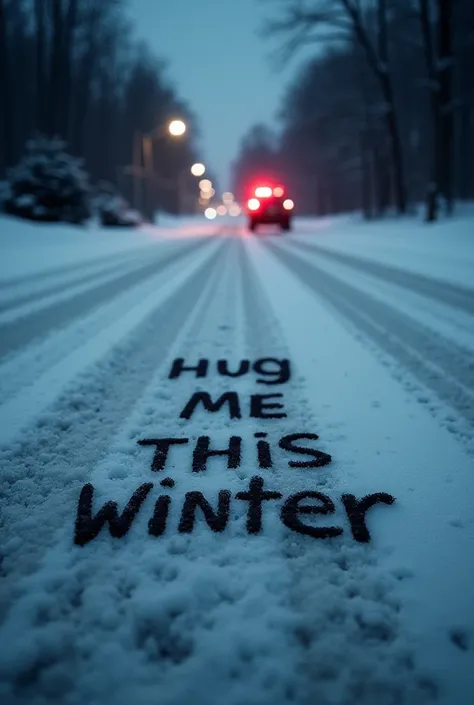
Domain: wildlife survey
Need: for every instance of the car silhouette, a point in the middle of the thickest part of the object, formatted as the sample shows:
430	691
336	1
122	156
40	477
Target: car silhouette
269	205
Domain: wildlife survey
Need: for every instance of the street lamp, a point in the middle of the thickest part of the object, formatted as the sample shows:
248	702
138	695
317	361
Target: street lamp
177	128
198	169
143	170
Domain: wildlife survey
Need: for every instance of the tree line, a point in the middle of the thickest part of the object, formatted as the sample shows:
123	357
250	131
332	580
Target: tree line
382	117
73	69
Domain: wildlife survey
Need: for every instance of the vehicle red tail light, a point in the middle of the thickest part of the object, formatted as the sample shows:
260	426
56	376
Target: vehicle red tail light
263	191
253	204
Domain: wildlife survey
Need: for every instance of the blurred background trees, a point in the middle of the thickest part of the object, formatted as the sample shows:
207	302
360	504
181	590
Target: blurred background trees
382	117
379	119
71	69
259	158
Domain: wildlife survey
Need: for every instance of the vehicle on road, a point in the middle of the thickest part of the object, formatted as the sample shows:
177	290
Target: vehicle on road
115	212
270	205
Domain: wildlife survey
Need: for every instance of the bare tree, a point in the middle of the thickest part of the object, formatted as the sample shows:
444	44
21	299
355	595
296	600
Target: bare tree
6	95
436	28
258	158
55	67
78	73
446	107
335	147
70	28
463	79
332	141
435	181
40	60
306	22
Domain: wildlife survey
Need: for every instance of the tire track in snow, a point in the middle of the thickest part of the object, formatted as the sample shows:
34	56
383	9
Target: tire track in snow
263	333
91	263
445	368
42	471
70	609
21	332
26	366
444	292
21	299
347	614
227	297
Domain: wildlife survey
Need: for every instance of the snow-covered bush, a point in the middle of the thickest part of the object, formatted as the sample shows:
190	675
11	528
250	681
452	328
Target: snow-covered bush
113	209
48	185
4	193
120	216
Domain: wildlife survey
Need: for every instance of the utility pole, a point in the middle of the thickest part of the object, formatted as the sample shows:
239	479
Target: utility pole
149	176
137	159
181	191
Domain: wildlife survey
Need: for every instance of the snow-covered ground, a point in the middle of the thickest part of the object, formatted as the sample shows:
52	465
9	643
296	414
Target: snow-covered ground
243	598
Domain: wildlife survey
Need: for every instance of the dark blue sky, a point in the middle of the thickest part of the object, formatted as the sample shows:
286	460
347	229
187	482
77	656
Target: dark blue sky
219	64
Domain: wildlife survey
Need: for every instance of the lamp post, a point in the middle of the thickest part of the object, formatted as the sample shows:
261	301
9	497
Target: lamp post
142	169
143	149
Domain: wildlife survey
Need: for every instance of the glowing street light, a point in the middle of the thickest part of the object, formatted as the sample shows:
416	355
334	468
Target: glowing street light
176	128
210	213
143	167
205	185
198	169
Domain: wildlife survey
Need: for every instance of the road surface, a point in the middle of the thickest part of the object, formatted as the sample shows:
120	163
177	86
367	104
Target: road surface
358	352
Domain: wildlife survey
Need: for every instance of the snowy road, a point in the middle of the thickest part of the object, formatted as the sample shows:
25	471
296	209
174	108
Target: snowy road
246	598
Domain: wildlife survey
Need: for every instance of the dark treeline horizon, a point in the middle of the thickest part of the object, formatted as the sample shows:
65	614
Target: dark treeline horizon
73	69
382	117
